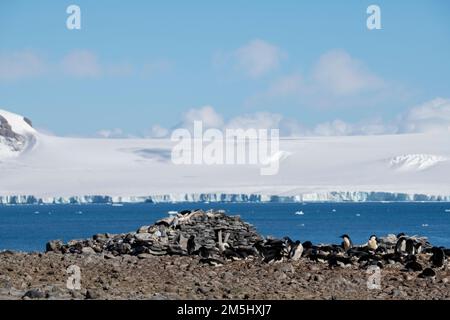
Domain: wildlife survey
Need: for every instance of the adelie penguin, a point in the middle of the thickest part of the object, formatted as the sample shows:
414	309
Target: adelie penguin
410	246
231	254
204	252
372	244
212	262
191	245
335	261
347	242
271	250
296	251
412	264
438	257
400	246
427	273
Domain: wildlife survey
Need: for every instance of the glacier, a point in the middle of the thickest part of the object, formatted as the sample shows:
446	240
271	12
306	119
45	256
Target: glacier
43	168
228	198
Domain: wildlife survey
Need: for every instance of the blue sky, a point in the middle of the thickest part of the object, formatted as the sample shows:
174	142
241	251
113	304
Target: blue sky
136	64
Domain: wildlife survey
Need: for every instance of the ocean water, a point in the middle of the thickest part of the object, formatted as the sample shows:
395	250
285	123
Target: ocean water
28	228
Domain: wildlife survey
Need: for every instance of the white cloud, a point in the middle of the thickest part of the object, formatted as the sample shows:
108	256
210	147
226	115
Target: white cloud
341	128
259	120
157	131
111	133
432	116
333	128
81	63
206	114
255	59
258	57
21	64
336	80
340	74
287	85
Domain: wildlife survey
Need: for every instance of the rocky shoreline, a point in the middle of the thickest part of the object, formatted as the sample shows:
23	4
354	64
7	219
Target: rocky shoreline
209	255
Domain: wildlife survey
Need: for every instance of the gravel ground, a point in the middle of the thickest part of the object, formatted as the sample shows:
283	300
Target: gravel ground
44	276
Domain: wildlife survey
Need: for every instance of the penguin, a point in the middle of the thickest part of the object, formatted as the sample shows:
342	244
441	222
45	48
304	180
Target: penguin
184	212
191	245
335	261
427	273
271	250
347	242
381	250
373	263
392	258
368	257
245	252
296	251
372	244
204	252
400	246
316	256
231	254
418	247
410	246
438	257
212	262
326	248
307	245
288	244
412	264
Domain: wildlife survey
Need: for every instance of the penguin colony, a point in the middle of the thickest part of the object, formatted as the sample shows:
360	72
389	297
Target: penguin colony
216	238
401	249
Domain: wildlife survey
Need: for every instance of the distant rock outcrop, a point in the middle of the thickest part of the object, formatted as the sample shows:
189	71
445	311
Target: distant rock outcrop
8	138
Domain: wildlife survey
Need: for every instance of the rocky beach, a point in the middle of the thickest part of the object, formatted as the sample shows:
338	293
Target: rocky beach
209	255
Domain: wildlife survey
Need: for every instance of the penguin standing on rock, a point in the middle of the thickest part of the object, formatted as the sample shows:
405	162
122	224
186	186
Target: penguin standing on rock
410	246
438	257
191	245
372	244
347	243
296	251
400	246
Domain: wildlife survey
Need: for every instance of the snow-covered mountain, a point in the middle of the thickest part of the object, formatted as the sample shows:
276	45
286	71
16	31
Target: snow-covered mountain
35	167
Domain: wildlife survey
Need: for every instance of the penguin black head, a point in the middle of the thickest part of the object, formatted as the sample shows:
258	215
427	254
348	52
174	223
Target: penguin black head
345	236
374	237
307	245
192	237
401	234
